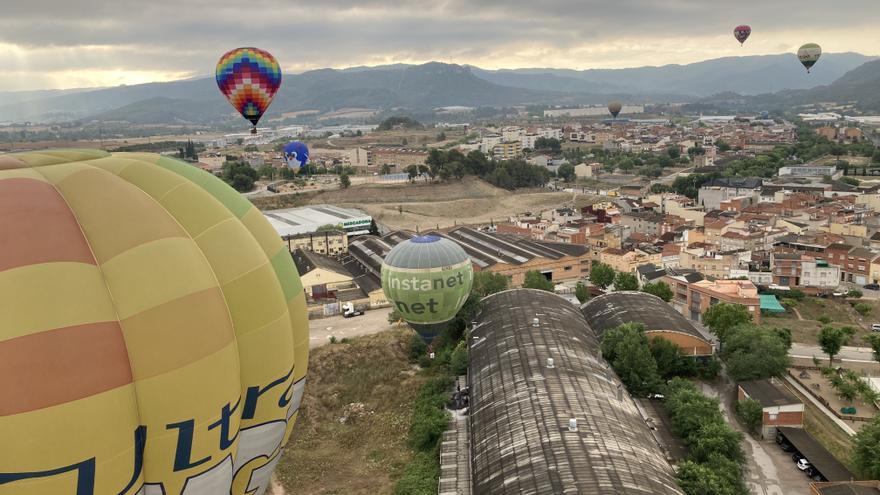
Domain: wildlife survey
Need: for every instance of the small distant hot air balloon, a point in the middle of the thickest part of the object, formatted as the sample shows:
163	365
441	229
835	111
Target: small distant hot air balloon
809	54
741	33
249	78
427	279
296	154
614	108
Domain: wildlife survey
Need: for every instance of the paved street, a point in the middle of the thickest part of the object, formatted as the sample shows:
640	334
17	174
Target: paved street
847	353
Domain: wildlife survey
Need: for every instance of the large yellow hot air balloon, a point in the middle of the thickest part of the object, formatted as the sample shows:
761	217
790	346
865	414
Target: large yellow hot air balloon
153	329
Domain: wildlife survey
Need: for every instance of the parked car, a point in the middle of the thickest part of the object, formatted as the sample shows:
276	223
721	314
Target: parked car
656	396
875	327
786	447
872	286
796	457
838	294
803	464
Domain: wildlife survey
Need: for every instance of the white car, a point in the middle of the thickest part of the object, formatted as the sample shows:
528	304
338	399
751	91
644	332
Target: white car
803	464
875	327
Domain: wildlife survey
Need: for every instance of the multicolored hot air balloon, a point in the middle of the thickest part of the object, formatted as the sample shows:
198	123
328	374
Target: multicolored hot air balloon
154	336
427	279
741	33
296	154
614	108
249	78
809	54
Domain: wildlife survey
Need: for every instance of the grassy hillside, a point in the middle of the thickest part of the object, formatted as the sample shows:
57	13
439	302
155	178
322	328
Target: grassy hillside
352	430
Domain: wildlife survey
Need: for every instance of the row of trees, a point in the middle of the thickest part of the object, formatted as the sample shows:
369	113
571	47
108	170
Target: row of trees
507	174
603	275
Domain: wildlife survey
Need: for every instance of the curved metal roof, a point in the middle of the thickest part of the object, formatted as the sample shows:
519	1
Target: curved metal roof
616	308
520	409
429	251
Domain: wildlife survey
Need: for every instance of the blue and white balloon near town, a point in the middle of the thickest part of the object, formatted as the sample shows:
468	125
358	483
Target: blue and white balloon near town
296	155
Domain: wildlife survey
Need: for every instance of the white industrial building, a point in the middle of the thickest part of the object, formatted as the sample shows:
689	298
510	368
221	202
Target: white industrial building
308	219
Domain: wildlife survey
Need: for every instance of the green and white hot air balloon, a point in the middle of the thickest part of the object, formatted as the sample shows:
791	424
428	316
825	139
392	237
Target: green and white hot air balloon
809	54
427	279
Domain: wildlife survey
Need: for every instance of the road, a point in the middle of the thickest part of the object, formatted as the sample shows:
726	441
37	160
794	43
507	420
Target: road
373	321
847	353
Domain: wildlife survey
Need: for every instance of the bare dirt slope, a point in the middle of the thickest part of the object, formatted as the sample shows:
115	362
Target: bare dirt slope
350	438
425	206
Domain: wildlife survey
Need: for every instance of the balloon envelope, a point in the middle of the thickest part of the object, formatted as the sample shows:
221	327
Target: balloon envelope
296	154
427	279
741	33
809	54
249	78
159	337
614	108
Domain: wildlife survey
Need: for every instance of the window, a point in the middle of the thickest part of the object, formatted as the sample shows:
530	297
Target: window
568	268
773	416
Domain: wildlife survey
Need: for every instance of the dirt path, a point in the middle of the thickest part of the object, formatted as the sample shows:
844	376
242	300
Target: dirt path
797	313
373	321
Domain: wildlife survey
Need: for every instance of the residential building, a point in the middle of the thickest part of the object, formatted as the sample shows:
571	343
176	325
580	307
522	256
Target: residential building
692	299
372	159
818	171
507	150
713	264
327	242
818	273
716	191
628	261
854	262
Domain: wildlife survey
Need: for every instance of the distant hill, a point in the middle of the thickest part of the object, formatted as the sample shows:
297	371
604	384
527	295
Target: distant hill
860	88
749	75
427	86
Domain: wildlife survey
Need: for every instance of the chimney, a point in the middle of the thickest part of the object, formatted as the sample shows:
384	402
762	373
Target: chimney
573	424
550	363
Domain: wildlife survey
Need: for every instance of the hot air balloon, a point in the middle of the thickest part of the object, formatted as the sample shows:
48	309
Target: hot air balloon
296	154
249	78
427	279
154	338
741	33
614	108
809	54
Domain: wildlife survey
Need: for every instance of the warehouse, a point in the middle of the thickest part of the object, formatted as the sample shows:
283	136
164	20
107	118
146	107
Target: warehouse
307	219
513	255
547	415
659	319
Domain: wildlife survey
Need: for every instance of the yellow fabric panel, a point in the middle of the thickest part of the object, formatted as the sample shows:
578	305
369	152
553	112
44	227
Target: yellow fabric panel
176	333
57	173
101	425
193	208
300	326
265	356
114	165
196	392
151	158
254	300
48	157
156	272
262	231
232	251
22	173
115	215
148	178
75	293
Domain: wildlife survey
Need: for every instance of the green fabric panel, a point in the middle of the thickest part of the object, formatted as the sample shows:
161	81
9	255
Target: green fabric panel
231	199
287	274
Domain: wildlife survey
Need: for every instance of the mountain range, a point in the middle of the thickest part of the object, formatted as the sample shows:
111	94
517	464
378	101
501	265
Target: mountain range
423	87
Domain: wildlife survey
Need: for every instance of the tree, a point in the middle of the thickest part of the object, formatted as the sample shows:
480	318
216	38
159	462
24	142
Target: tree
548	144
581	292
700	479
750	414
831	339
458	362
752	353
673	151
344	181
441	136
566	172
723	317
660	289
602	275
536	280
386	169
716	438
486	283
242	182
722	146
626	281
866	453
412	171
626	348
874	341
689	410
659	188
670	361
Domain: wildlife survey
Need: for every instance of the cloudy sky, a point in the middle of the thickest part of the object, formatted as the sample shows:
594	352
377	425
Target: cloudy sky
88	43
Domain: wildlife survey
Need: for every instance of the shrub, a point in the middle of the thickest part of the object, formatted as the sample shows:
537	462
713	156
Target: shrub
824	319
854	293
420	476
417	349
750	414
863	309
458	363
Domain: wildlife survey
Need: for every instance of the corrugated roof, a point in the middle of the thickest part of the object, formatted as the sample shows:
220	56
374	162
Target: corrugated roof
616	308
306	261
818	456
520	408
